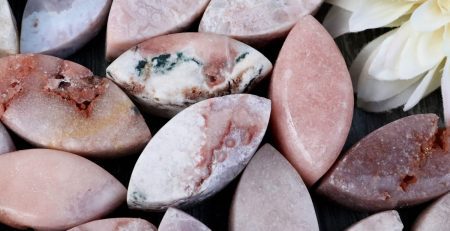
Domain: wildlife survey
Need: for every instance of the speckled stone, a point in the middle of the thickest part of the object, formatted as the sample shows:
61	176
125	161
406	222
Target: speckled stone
255	21
9	42
436	217
53	190
59	104
6	143
177	220
117	224
312	100
404	163
60	28
271	196
168	73
198	152
134	21
384	221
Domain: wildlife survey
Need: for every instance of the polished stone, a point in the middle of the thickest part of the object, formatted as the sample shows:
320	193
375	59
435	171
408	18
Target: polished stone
177	220
9	42
435	217
384	221
6	143
116	224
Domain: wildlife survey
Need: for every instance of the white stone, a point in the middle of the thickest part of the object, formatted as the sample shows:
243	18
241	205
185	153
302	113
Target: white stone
9	42
177	220
386	221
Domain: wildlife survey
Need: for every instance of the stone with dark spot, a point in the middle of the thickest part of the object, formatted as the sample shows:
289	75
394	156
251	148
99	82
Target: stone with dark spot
116	224
404	163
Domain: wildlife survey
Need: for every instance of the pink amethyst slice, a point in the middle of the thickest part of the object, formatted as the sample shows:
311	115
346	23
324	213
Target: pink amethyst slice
59	104
177	220
52	190
116	224
386	221
198	152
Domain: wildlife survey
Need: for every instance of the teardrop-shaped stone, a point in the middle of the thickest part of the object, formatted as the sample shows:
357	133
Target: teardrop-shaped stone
385	221
271	196
435	217
403	163
9	42
52	190
134	21
6	143
255	22
177	220
116	224
168	73
198	152
58	104
60	28
312	98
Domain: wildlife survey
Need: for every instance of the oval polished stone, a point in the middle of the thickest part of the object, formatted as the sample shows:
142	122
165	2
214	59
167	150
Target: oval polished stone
436	217
384	221
116	224
271	196
312	100
404	163
9	42
255	21
168	73
52	190
71	109
6	143
177	220
60	28
198	152
134	21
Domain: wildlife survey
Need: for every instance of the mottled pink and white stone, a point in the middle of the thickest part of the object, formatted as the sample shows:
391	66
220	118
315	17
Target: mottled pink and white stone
312	99
168	73
6	143
116	224
436	217
177	220
198	152
255	21
9	42
52	190
386	221
271	196
58	104
134	21
60	28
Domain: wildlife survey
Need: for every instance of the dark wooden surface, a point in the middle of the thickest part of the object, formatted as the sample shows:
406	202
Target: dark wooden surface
214	211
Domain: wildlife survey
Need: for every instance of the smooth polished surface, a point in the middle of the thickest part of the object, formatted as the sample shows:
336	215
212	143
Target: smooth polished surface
6	143
116	224
435	217
384	221
9	42
177	220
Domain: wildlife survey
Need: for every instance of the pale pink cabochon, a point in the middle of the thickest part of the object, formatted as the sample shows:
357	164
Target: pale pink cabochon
436	216
116	224
9	41
177	220
6	143
387	220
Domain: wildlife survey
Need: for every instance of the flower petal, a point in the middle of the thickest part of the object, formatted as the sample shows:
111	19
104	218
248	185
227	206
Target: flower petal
445	89
429	83
336	21
350	5
428	17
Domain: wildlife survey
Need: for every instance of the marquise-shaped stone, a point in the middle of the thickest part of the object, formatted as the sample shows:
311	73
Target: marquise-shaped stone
271	196
60	28
116	224
168	73
58	104
312	98
404	163
6	143
198	152
255	22
177	220
386	221
9	42
52	190
436	217
134	21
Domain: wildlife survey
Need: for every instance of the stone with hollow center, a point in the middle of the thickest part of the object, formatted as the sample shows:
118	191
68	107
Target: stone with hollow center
59	104
312	99
9	43
436	217
116	224
198	152
60	28
386	221
168	73
177	220
53	190
255	21
134	21
271	196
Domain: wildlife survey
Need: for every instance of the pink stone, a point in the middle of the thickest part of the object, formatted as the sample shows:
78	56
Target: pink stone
58	104
52	190
255	22
312	100
271	196
116	224
177	220
6	143
134	21
60	28
436	217
9	42
168	73
198	152
385	221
